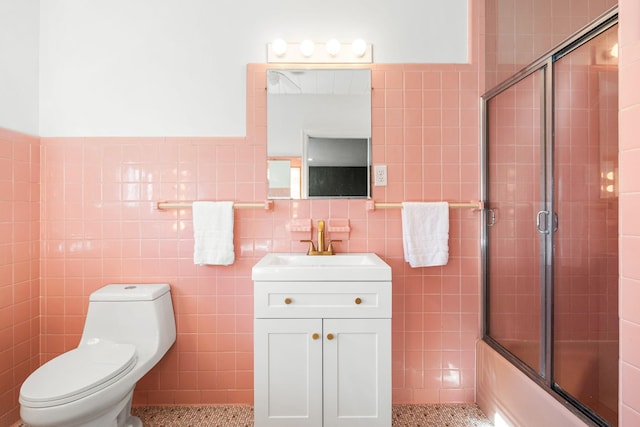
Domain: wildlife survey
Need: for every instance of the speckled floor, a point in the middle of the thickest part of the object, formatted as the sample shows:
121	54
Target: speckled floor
437	415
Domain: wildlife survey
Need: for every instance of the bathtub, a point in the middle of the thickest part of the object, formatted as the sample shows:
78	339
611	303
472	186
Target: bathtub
503	391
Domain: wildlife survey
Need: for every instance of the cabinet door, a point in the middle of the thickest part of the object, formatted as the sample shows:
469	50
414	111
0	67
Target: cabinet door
357	372
288	372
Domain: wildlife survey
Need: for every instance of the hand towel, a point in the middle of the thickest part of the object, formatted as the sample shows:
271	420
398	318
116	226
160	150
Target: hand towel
213	233
425	233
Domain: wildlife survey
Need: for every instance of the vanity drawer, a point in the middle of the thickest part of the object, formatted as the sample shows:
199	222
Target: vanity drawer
322	299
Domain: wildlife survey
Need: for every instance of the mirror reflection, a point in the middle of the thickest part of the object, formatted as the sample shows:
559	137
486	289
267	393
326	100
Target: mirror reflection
319	133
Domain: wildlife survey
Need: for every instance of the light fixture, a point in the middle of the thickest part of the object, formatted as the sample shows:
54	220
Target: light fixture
307	47
359	47
281	51
279	47
333	47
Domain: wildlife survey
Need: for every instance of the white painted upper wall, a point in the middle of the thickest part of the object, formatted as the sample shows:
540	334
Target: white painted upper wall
19	23
178	67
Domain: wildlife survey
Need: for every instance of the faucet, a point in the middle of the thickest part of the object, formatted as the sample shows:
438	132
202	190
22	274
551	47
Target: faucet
321	249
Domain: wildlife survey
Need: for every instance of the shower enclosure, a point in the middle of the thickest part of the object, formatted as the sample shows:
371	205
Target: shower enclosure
550	240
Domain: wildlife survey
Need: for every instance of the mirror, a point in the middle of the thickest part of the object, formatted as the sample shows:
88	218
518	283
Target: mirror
318	133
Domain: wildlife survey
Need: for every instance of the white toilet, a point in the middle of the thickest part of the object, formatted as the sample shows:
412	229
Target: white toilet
128	330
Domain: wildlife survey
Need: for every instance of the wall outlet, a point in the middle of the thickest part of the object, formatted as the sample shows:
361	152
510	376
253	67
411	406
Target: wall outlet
380	175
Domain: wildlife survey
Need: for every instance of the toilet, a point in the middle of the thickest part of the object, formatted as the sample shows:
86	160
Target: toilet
128	329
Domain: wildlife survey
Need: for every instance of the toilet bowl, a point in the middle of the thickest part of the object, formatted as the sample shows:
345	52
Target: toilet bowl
128	329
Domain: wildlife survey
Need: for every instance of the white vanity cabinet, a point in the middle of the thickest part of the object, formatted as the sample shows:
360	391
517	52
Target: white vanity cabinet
322	354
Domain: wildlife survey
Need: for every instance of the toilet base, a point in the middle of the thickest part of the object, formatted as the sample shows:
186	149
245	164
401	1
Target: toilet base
117	414
124	418
133	421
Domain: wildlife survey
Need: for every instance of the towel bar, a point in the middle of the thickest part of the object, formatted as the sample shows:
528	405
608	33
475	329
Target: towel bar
266	205
371	205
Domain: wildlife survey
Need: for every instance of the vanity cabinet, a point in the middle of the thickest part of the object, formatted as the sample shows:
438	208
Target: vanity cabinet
322	354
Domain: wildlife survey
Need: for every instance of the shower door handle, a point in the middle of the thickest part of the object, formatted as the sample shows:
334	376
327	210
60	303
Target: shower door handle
491	217
541	219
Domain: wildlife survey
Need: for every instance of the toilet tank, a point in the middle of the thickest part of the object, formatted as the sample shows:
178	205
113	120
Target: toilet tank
138	314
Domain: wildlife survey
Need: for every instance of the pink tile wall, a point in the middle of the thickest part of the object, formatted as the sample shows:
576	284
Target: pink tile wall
629	207
520	31
425	127
19	266
100	225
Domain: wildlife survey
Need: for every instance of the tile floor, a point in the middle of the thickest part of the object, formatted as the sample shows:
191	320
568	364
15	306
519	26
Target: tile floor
436	415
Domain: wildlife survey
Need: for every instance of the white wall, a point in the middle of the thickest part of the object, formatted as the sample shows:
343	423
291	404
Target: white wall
19	21
178	67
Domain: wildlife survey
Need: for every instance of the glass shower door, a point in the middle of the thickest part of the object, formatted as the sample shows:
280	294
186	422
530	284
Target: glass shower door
585	364
550	241
515	196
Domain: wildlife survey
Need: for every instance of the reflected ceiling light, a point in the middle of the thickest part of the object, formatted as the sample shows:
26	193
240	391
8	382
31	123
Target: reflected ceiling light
359	47
307	47
333	47
279	47
614	51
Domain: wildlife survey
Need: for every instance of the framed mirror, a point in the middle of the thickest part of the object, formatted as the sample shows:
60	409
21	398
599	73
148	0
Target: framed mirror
319	133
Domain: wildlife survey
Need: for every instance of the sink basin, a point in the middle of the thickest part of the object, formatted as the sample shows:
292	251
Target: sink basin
318	268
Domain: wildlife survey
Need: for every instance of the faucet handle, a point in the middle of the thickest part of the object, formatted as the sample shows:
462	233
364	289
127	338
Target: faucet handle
330	246
312	248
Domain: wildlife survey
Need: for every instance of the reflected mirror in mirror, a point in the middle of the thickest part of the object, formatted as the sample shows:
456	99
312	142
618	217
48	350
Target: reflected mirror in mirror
319	133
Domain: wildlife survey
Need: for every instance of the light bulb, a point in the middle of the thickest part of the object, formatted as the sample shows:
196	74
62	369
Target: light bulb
333	47
279	47
614	51
307	47
359	47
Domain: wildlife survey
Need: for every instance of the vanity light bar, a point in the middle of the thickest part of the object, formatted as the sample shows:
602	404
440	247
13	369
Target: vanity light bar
331	52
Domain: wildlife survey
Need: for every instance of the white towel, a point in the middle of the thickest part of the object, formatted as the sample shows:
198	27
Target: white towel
425	233
213	233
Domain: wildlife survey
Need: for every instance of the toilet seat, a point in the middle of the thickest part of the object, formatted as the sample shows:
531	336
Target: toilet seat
78	373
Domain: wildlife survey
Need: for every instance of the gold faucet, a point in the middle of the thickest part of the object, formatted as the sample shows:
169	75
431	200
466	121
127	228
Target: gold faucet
321	249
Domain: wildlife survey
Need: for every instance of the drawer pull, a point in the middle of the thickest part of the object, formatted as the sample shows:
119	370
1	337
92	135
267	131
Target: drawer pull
358	300
329	337
315	336
287	301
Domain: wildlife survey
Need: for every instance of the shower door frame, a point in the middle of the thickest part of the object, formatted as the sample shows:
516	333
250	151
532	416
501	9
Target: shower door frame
544	378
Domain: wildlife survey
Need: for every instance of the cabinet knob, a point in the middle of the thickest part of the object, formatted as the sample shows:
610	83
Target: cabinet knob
358	300
287	301
329	337
315	336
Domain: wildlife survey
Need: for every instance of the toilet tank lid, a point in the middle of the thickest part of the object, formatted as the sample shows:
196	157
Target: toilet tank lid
130	292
